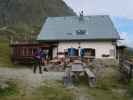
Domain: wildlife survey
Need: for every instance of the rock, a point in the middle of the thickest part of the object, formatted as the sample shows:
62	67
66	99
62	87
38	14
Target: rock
3	85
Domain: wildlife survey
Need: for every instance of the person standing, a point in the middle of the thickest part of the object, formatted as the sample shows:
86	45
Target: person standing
44	59
82	54
37	60
43	56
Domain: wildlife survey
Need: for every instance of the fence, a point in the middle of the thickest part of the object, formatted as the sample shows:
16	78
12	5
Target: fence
126	68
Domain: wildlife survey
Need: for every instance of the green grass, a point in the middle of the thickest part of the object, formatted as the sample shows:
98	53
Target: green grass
11	90
50	90
109	89
130	88
102	94
109	86
5	57
54	90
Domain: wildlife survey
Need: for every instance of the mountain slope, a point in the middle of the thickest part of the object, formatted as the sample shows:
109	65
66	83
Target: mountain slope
31	12
21	18
130	52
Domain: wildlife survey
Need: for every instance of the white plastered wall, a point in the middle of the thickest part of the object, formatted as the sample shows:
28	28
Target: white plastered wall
100	47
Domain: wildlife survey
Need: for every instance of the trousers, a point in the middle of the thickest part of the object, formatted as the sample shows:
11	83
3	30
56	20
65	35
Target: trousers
37	64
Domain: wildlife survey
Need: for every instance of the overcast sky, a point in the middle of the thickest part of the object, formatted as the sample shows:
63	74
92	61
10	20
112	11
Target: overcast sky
111	7
121	12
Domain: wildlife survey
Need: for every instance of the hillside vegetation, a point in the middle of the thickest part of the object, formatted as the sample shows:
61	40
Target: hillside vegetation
22	20
31	12
129	52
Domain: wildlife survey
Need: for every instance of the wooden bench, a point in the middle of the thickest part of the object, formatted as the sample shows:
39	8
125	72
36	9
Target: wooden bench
91	77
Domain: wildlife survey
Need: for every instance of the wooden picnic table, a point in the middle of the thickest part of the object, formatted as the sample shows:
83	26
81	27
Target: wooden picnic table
77	68
55	61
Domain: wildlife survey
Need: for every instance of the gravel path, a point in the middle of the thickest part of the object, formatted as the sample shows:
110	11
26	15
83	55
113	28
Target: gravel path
28	77
30	81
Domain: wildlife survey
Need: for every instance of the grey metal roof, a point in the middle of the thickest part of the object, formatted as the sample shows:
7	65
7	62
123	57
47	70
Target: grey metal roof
74	28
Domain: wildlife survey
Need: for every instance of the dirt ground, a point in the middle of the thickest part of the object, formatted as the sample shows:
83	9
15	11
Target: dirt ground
27	76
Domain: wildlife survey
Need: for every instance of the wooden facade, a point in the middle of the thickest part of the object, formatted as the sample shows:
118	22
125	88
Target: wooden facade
24	52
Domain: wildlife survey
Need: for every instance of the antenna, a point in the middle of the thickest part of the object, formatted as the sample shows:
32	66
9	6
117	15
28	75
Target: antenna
81	15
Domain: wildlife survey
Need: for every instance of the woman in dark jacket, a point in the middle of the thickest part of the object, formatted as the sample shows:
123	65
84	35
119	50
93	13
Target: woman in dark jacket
37	60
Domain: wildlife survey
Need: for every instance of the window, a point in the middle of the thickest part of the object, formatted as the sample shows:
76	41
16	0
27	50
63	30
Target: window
89	52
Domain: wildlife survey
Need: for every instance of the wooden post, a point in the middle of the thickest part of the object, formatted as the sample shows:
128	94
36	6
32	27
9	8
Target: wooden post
130	74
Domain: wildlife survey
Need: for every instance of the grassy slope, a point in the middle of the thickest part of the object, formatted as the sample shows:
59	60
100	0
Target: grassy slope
54	90
5	54
50	90
108	88
31	12
10	90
